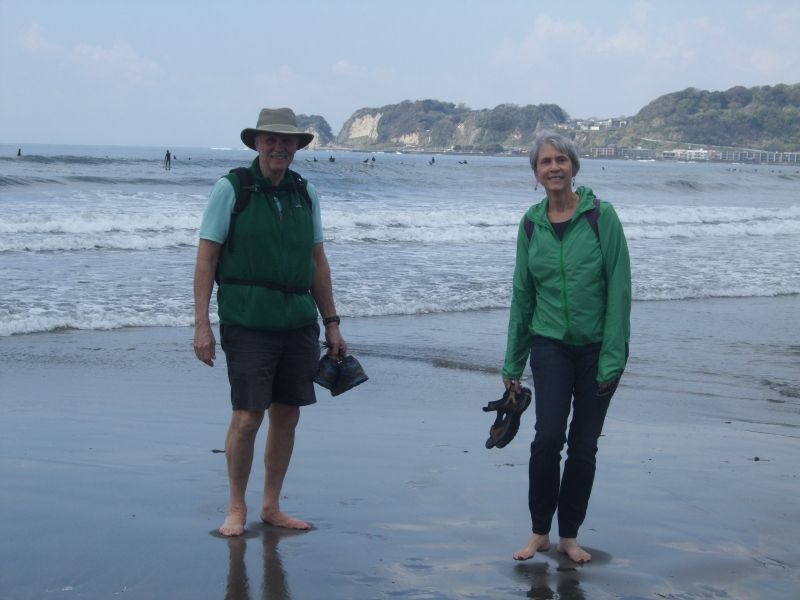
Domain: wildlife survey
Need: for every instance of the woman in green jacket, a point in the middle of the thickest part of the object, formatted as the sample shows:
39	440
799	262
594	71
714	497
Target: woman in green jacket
570	311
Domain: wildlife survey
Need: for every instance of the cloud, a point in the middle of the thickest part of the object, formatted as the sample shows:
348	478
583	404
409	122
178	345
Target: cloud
119	64
33	40
284	81
623	43
770	63
547	39
345	67
781	55
376	75
614	65
782	20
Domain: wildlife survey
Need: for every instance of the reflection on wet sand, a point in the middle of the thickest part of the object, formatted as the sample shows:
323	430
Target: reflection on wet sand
565	580
275	585
564	575
238	587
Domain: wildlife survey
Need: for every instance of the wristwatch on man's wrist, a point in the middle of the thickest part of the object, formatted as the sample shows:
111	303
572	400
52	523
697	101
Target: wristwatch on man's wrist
330	320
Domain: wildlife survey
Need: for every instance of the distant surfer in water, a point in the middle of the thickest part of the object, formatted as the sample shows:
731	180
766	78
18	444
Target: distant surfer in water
168	160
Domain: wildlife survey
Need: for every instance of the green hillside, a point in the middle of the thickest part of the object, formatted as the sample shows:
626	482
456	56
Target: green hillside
761	118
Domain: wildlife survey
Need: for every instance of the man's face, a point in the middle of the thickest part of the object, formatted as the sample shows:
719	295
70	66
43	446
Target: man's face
276	151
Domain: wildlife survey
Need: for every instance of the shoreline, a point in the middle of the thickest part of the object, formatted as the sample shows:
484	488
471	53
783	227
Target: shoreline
111	482
510	153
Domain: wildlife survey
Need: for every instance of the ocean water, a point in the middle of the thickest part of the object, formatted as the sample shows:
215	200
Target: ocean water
95	239
105	237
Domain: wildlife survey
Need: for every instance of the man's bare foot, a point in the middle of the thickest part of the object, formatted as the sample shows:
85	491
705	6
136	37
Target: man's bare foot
538	542
234	522
277	518
569	546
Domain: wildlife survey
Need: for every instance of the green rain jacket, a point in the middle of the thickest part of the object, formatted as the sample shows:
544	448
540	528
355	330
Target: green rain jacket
576	290
272	247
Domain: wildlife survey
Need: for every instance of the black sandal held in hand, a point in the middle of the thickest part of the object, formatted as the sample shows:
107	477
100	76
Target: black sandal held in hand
509	412
338	376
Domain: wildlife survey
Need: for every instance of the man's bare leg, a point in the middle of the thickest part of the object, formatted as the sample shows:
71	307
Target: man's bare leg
283	421
239	455
569	546
538	542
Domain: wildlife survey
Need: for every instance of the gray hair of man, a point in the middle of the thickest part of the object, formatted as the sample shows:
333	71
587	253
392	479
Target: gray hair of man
560	143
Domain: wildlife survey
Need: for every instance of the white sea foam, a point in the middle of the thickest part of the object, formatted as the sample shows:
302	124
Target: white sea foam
121	240
102	243
168	230
99	322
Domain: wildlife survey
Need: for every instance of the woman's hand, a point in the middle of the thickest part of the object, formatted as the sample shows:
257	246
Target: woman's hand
603	389
514	385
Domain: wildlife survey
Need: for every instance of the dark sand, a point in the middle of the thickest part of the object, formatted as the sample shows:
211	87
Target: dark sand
111	489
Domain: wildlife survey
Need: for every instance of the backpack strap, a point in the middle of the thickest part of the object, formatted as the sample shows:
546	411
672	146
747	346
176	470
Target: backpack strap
243	192
592	216
246	188
301	185
528	227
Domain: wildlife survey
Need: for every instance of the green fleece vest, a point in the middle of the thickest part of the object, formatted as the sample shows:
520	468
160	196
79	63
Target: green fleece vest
266	273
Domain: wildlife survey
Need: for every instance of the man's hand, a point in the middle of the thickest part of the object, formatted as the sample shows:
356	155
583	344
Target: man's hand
205	346
337	347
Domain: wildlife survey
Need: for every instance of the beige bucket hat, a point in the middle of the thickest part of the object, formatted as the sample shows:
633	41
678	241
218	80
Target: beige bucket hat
276	120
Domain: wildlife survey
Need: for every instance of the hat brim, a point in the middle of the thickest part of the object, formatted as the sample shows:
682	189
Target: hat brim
249	136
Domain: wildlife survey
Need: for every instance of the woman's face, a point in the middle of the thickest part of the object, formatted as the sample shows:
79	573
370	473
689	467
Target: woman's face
553	169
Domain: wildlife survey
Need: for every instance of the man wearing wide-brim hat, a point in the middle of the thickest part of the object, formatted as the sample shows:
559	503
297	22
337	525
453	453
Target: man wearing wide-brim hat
274	282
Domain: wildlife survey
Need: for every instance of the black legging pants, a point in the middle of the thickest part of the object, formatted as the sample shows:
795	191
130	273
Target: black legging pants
564	379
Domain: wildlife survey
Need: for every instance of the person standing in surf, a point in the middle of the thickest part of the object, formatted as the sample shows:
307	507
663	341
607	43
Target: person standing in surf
274	282
570	312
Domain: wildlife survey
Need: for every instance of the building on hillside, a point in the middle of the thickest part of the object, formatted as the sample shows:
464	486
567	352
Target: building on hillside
637	154
759	156
604	152
686	154
695	155
592	124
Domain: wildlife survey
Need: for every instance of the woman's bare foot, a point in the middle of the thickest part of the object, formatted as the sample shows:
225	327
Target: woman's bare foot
569	546
234	522
538	542
277	518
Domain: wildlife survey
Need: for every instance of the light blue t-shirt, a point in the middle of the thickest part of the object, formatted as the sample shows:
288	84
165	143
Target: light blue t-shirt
217	216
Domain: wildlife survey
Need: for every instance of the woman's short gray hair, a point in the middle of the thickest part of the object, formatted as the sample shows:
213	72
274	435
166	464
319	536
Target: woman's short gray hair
560	143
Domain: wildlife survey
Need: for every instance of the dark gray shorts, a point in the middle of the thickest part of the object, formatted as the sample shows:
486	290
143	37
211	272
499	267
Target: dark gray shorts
270	366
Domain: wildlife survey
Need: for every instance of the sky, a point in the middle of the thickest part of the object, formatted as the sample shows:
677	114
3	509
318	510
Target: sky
194	73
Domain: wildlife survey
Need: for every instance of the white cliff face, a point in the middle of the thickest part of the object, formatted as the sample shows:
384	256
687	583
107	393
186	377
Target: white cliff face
466	133
315	143
365	127
409	139
430	124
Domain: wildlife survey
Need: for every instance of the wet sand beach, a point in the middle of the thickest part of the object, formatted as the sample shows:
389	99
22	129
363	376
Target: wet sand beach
112	485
